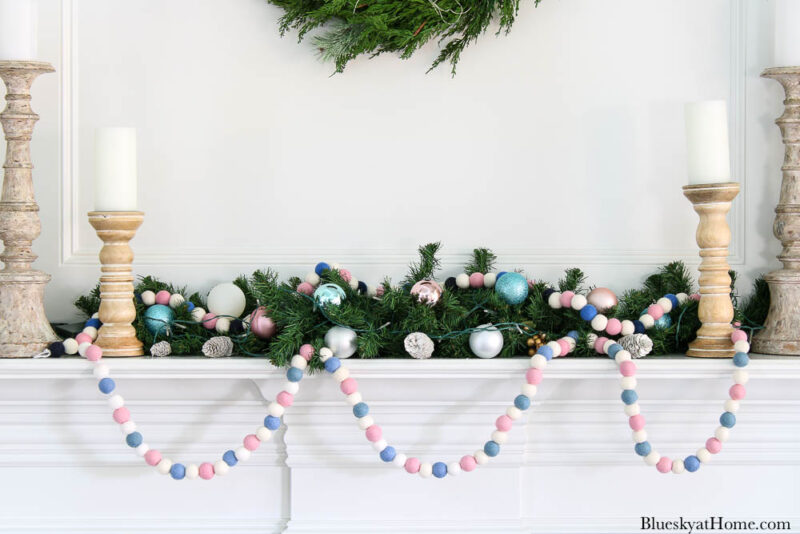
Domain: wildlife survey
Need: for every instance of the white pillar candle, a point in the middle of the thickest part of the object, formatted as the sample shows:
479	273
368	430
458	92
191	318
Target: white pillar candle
115	169
707	152
17	30
787	33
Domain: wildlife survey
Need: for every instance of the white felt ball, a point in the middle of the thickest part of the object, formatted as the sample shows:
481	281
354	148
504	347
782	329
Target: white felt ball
529	390
481	458
622	356
70	346
116	401
353	283
647	320
703	455
627	328
275	410
379	445
722	433
365	422
354	398
300	362
639	436
682	298
96	315
425	470
312	278
578	302
556	348
499	437
148	298
665	304
372	291
192	471
226	299
571	342
176	301
127	427
220	468
263	434
222	325
652	458
454	469
731	405
632	409
336	266
142	449
462	280
341	374
628	382
489	280
242	454
554	300
164	466
82	348
400	460
91	332
538	361
291	387
513	412
740	376
100	370
197	314
607	345
599	322
741	346
325	353
677	466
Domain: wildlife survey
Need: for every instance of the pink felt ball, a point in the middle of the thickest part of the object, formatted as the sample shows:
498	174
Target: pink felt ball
349	385
564	344
566	299
346	275
94	353
412	465
285	398
664	465
122	415
533	376
476	280
627	368
468	463
695	296
263	327
613	327
504	423
713	445
379	291
206	471
83	338
531	283
599	344
305	288
152	457
636	422
251	442
738	335
307	352
737	392
655	311
374	433
210	321
162	297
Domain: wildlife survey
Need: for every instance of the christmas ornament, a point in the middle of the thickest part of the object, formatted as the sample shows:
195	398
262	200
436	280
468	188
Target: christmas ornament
487	341
342	341
427	292
512	288
263	327
602	298
418	345
226	299
535	342
328	294
639	345
218	347
158	320
161	349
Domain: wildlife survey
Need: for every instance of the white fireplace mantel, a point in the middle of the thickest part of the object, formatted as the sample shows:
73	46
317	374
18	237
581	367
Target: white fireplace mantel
570	467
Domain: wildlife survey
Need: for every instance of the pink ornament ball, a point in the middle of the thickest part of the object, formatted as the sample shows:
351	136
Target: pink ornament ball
564	344
206	471
263	327
251	442
374	433
412	465
664	465
346	275
636	422
534	376
307	352
210	321
614	326
152	457
566	299
655	311
94	353
737	392
467	463
83	338
504	423
476	280
713	445
627	368
599	343
285	399
122	415
349	386
738	335
162	297
305	288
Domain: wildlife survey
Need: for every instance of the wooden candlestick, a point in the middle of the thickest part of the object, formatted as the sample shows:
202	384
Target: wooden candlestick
24	328
117	337
781	333
712	203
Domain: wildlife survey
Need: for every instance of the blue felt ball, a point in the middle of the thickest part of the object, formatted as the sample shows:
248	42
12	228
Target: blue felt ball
361	409
177	471
328	295
522	402
741	359
56	349
293	374
545	351
106	385
332	364
189	305
547	292
673	299
230	458
440	469
491	448
588	312
643	448
321	267
272	422
362	287
134	439
94	323
499	275
691	463
512	288
158	319
573	334
629	396
388	454
638	327
614	349
727	419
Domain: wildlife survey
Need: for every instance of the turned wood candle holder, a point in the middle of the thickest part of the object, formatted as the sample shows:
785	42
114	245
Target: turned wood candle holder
712	203
117	336
24	328
781	333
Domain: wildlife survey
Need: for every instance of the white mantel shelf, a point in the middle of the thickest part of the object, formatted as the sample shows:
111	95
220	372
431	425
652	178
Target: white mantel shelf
57	436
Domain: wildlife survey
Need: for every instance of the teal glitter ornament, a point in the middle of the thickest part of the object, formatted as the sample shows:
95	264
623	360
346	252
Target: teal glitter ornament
663	322
512	288
328	295
158	320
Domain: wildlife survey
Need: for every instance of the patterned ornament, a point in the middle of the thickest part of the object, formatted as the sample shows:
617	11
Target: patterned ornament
218	347
639	345
512	288
342	341
487	341
328	294
161	349
602	298
158	320
427	292
418	345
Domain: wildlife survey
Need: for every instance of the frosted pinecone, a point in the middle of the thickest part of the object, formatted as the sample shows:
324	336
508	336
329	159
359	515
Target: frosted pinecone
639	345
218	347
161	349
418	345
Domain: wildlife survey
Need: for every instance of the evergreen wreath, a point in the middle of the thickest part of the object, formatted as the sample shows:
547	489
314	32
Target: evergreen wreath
373	27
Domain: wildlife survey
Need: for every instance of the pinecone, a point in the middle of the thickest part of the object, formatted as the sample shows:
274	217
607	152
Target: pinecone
161	349
218	347
418	345
639	345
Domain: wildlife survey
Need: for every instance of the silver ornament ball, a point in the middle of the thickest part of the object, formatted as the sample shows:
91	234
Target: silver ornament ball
342	341
487	342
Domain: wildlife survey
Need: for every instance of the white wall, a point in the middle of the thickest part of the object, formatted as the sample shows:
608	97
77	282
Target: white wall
558	145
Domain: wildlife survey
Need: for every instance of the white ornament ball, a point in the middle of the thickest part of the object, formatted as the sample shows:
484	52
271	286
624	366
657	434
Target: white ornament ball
462	280
127	427
70	346
622	356
176	301
300	362
741	346
96	315
226	299
142	449
632	409
529	390
354	398
91	332
291	387
731	405
486	342
703	455
116	401
342	341
556	348
652	458
499	437
100	371
722	433
481	458
538	361
454	469
554	300
197	314
148	298
353	283
365	422
400	460
628	382
192	471
380	445
639	436
164	466
514	413
325	353
682	298
489	279
578	302
83	347
341	374
222	325
740	376
275	410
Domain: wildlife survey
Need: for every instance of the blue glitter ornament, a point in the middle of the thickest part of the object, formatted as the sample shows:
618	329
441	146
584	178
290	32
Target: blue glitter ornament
328	294
663	322
158	319
512	288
